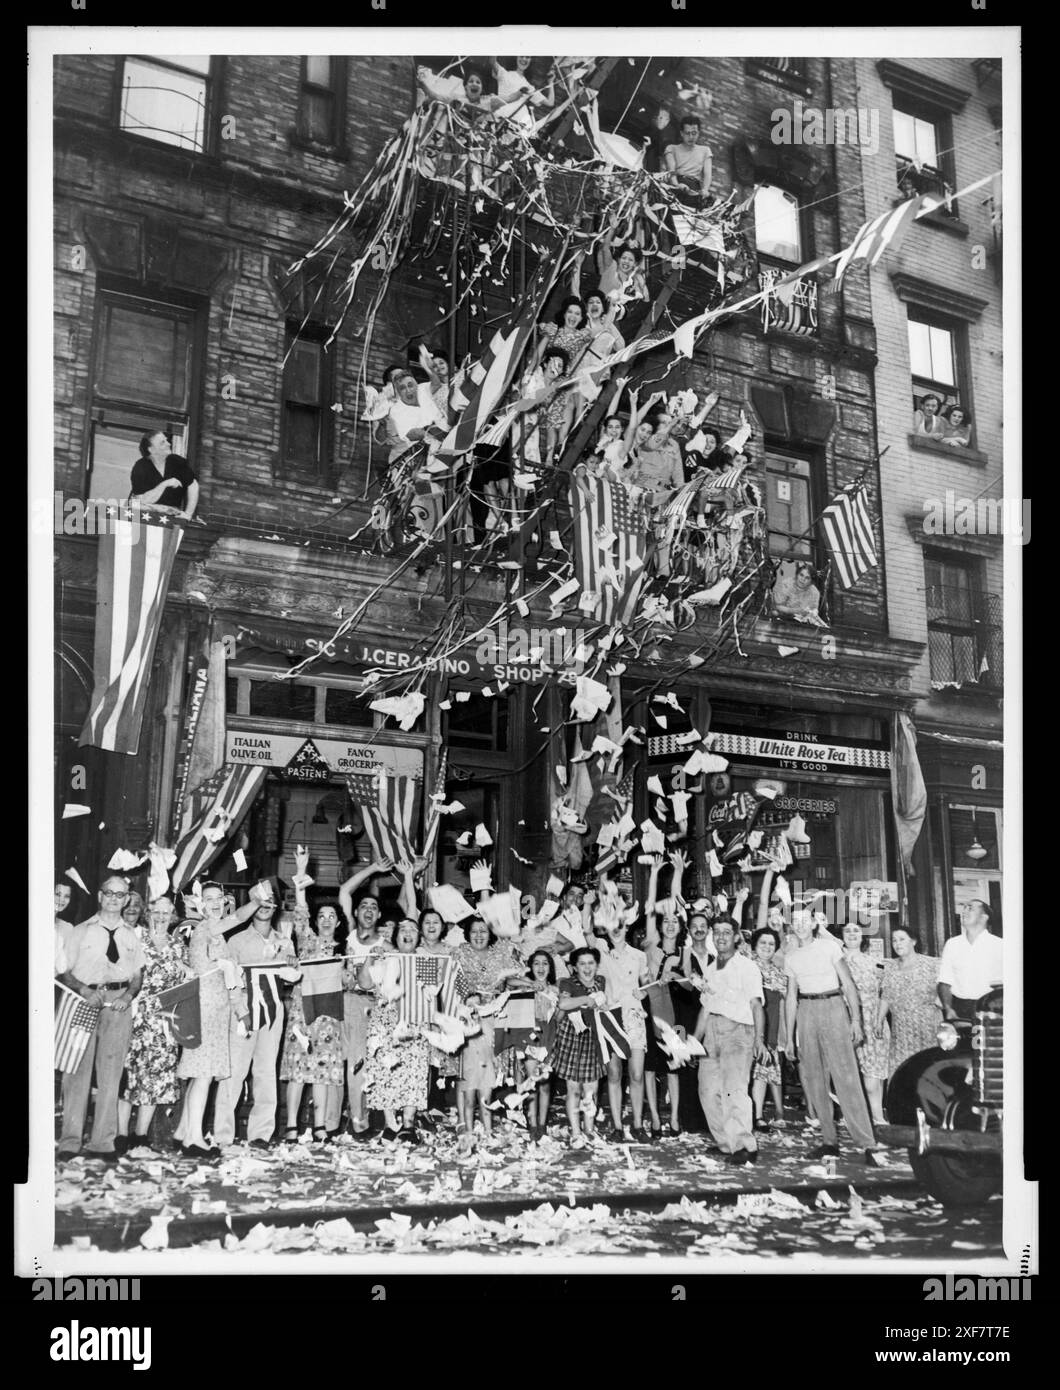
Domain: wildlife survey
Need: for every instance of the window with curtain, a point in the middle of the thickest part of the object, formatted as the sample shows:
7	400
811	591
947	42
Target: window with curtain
777	230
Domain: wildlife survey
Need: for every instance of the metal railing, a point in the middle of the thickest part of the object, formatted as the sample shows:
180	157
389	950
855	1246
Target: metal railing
965	636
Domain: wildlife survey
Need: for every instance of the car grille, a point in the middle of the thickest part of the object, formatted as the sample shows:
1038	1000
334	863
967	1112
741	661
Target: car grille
988	1044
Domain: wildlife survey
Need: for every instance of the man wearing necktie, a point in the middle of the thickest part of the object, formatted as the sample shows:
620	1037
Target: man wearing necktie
104	965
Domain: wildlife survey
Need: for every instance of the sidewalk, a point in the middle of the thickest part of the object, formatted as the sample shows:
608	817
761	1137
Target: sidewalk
365	1184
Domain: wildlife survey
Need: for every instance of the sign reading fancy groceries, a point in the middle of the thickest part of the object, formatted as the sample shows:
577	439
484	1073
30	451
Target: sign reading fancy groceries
320	759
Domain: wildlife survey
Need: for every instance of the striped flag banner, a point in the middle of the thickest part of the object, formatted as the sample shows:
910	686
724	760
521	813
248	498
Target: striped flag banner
428	986
182	1012
135	557
434	814
874	238
612	570
321	988
848	531
386	805
263	995
494	373
75	1025
610	1034
212	813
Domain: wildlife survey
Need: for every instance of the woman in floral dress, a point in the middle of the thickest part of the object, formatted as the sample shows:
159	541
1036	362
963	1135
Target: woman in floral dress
443	1067
873	1053
909	995
151	1062
483	966
396	1070
571	333
765	943
313	1055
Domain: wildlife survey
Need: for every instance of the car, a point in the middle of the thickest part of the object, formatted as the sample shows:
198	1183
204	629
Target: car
945	1105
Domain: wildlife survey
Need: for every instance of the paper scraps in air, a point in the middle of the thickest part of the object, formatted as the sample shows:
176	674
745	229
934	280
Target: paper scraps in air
406	709
123	859
449	903
72	809
75	877
239	859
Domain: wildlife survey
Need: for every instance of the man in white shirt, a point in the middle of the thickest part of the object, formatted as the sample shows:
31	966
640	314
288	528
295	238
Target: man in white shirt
971	962
731	1027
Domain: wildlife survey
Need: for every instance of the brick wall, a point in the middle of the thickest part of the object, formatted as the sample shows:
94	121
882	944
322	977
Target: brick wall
930	253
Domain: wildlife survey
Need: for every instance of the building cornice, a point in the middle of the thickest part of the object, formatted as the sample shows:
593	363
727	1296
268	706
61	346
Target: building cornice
918	85
940	298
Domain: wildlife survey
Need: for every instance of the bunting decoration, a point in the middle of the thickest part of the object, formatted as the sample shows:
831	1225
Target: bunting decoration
135	558
322	992
848	531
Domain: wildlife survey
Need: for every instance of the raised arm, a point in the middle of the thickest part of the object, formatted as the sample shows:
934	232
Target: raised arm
347	889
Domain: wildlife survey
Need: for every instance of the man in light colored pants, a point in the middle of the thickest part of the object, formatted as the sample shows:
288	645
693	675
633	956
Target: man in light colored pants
724	1082
258	1051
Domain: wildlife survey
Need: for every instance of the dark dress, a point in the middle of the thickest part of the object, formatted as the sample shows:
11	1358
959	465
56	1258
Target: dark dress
655	1059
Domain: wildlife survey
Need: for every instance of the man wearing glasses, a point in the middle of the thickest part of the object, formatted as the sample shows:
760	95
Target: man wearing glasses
105	961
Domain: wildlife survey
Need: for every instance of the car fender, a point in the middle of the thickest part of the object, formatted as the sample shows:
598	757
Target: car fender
933	1081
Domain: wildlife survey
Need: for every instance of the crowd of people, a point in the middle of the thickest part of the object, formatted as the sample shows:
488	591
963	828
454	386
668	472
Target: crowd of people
463	1018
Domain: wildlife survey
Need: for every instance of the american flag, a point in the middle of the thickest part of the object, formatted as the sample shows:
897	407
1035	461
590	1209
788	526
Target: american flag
434	815
135	557
210	814
263	995
386	805
875	237
601	506
496	370
428	986
848	531
75	1024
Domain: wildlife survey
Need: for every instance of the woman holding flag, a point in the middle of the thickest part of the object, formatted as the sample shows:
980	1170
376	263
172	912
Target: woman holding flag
396	1072
313	1053
151	1062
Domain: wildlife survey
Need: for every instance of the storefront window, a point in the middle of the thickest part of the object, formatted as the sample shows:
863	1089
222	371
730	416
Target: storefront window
479	722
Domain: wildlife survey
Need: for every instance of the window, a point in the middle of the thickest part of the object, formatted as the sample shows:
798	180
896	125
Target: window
305	401
280	699
478	723
923	152
936	351
964	624
166	99
142	380
777	230
789	507
321	110
346	706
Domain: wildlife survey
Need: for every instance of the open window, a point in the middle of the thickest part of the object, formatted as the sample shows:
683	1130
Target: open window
167	99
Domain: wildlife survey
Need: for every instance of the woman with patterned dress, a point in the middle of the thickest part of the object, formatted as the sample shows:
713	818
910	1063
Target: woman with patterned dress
443	1067
765	943
576	1056
212	1059
313	1055
151	1062
571	333
873	1053
910	997
396	1067
483	966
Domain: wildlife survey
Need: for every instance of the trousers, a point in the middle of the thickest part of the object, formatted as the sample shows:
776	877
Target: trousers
827	1050
106	1052
259	1052
724	1081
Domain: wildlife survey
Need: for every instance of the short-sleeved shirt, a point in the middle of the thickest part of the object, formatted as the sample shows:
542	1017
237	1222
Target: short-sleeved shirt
971	969
657	468
813	965
249	947
621	969
146	477
688	164
728	991
86	953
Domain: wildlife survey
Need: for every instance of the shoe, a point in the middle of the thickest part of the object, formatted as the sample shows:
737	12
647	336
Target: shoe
200	1155
762	1126
142	1142
122	1143
107	1159
66	1156
259	1144
615	1135
392	1135
750	1155
320	1135
362	1136
825	1151
640	1135
738	1158
657	1132
872	1159
290	1134
410	1137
